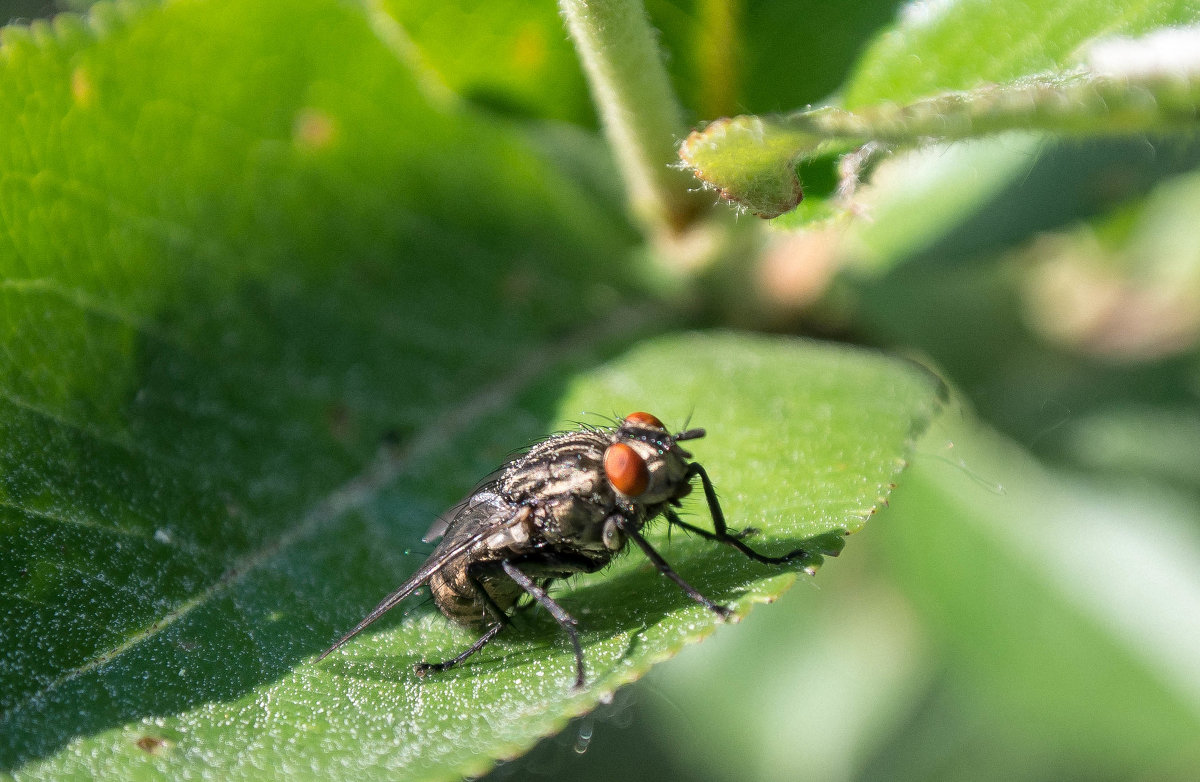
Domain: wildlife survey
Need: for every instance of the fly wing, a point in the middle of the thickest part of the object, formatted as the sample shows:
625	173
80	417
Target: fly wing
480	505
442	522
473	520
431	566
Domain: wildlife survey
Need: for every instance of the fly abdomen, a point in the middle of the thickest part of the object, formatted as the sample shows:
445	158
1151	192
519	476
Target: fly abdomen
456	592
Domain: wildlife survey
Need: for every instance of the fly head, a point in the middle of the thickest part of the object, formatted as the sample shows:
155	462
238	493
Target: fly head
645	464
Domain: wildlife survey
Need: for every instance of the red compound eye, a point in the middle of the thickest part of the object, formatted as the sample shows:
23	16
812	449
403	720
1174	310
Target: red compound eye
644	419
626	470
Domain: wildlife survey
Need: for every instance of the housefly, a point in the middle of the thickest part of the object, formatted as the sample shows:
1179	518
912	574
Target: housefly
568	505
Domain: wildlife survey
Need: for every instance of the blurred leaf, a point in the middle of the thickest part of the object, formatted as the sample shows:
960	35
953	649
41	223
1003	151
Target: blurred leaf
800	52
270	303
814	685
960	292
962	44
1154	441
917	197
812	689
1066	611
731	57
512	57
25	10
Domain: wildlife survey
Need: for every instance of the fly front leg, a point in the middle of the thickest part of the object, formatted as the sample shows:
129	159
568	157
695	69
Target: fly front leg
499	622
722	534
565	620
722	611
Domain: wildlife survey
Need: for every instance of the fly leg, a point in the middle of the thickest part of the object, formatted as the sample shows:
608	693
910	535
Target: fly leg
501	621
722	611
565	620
545	584
722	534
423	668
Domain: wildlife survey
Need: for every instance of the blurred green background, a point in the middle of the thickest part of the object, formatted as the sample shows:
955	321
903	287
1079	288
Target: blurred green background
1028	607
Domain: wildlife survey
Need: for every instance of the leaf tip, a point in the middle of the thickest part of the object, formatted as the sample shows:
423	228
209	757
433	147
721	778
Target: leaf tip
740	158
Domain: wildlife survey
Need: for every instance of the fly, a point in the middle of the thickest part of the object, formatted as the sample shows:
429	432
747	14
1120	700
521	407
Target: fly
569	505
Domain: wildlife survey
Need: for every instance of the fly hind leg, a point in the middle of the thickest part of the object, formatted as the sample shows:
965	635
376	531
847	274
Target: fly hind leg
423	668
565	620
500	620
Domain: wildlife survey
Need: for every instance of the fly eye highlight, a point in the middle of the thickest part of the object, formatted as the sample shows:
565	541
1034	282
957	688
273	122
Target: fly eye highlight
644	419
626	470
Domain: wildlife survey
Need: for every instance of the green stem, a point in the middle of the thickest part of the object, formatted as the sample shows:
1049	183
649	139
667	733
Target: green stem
641	114
1074	103
718	56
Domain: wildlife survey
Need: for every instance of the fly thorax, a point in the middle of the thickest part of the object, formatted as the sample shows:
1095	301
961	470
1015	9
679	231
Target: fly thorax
577	521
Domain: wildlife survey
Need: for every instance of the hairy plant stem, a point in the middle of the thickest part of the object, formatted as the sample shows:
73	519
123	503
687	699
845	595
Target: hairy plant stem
640	112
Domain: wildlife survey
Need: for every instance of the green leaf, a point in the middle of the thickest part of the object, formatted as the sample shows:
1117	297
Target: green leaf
271	301
803	440
967	89
961	44
512	57
918	197
751	161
